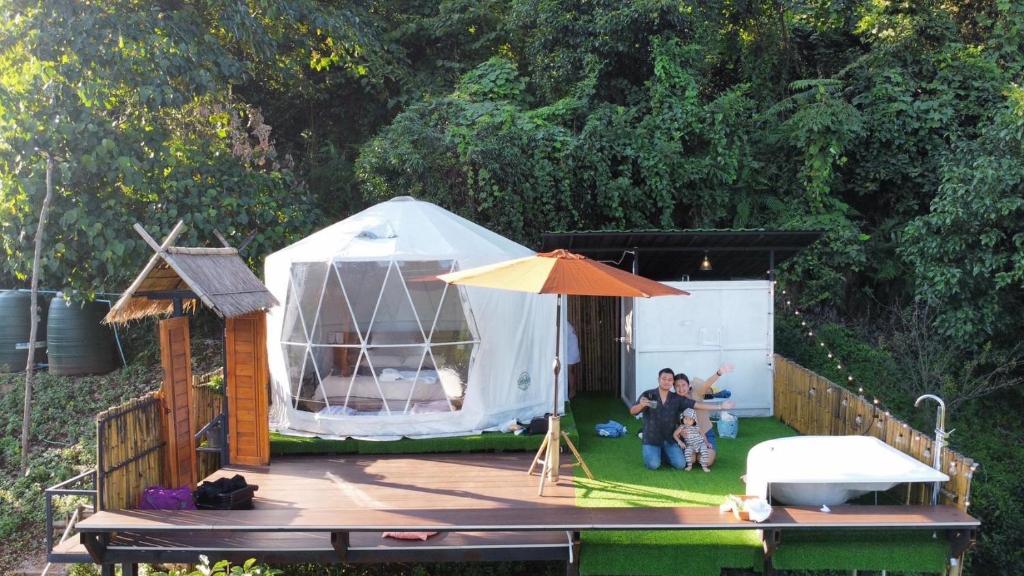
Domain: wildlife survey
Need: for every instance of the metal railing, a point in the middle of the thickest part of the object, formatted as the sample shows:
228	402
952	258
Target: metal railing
67	488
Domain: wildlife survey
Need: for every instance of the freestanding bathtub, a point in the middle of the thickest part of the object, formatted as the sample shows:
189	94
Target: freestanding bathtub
817	470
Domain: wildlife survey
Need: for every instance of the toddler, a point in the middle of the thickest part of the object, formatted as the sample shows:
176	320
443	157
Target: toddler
692	441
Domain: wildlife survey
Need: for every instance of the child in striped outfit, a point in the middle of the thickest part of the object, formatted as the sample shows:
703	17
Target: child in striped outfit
692	441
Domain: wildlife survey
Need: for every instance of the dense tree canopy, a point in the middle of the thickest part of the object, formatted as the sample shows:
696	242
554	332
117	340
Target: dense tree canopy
897	127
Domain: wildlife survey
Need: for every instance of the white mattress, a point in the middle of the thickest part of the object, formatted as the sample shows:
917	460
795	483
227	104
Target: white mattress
429	386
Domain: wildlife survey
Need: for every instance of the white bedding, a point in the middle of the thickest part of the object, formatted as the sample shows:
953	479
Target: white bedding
396	386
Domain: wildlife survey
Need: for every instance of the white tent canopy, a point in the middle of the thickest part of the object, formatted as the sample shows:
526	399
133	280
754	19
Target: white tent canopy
369	343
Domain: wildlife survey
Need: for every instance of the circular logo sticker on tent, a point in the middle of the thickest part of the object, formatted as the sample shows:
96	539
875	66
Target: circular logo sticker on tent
523	381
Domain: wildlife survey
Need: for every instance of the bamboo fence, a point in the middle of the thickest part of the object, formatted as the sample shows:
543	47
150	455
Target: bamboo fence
207	404
596	321
130	444
129	447
815	406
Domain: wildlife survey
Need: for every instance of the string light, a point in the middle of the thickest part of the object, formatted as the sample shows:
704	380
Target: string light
876	402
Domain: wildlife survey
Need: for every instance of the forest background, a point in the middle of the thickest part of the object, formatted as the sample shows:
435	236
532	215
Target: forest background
895	127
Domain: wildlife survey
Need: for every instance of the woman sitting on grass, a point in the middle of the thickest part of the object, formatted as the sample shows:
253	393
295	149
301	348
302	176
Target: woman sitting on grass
683	388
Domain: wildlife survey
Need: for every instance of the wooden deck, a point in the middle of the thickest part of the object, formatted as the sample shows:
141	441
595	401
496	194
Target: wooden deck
343	489
334	509
354	482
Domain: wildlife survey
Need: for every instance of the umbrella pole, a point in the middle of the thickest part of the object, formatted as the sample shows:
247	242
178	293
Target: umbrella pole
550	447
554	424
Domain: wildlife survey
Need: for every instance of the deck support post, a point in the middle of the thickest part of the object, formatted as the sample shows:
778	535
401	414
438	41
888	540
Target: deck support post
129	569
339	541
96	545
106	570
770	540
572	566
959	542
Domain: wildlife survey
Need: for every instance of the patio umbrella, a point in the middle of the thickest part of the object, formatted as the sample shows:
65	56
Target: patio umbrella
563	273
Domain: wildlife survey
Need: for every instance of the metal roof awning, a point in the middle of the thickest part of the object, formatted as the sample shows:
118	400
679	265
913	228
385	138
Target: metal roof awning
668	255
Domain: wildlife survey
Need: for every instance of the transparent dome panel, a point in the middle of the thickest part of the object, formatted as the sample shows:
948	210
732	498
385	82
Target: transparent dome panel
363	283
304	289
425	289
303	379
335	324
452	363
385	338
395	321
453	322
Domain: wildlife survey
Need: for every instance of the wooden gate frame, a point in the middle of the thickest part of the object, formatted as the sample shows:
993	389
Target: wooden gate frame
176	391
247	378
177	279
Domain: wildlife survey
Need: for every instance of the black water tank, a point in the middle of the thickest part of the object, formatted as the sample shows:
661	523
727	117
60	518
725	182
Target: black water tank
14	329
77	342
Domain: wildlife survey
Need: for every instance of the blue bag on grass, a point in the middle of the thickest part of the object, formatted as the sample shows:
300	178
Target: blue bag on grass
610	429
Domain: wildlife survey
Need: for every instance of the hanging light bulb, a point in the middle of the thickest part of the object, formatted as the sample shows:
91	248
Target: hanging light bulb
705	264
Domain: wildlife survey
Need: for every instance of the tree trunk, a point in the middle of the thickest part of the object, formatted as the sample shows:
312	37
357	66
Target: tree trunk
26	419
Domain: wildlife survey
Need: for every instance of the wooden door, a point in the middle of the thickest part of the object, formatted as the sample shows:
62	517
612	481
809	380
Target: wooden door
247	381
176	358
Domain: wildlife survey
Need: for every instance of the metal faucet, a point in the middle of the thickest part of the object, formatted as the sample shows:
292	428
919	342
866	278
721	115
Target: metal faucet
940	439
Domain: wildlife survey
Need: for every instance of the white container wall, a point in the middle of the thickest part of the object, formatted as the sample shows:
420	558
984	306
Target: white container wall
720	321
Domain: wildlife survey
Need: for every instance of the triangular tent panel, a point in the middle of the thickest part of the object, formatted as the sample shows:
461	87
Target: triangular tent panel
370	343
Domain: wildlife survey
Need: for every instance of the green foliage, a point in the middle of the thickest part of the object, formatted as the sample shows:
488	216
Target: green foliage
224	568
216	383
521	170
968	249
874	370
63	445
91	86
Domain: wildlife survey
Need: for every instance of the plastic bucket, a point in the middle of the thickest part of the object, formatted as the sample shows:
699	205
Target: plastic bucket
728	427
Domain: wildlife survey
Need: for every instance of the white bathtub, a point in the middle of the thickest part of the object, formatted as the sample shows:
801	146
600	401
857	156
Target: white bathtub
816	470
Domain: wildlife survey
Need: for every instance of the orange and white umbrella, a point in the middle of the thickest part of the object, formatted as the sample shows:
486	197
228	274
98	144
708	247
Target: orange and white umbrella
563	273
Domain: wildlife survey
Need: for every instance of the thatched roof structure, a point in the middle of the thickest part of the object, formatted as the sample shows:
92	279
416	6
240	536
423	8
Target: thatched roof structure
216	276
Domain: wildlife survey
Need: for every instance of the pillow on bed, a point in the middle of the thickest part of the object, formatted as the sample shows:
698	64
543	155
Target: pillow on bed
391	359
451	382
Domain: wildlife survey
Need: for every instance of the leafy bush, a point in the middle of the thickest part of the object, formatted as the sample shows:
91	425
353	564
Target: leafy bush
223	568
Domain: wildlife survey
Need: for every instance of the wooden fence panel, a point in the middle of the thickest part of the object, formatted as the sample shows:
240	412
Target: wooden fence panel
129	451
176	358
813	405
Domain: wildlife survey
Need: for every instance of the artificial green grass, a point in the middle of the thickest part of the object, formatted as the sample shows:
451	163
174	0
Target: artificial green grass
894	551
281	444
622	480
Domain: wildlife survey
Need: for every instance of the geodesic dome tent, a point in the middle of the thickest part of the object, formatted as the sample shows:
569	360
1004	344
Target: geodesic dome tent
370	343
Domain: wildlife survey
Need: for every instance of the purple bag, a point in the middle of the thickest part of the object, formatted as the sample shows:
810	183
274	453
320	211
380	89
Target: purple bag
160	498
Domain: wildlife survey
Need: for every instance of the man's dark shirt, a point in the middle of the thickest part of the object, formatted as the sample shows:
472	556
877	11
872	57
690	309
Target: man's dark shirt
661	422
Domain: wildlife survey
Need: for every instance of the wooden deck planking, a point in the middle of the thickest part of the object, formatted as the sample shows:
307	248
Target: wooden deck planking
534	518
485	505
351	482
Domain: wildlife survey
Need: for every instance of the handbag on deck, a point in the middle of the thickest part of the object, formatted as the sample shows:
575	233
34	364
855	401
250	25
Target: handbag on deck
160	498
